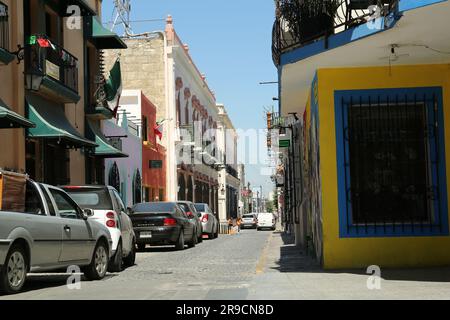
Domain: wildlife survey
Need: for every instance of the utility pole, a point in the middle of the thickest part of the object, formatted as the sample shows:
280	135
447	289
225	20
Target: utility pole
261	209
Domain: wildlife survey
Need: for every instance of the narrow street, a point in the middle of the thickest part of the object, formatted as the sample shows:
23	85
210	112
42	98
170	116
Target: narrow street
215	269
248	266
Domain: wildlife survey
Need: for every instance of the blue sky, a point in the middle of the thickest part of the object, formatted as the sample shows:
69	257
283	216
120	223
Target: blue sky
230	41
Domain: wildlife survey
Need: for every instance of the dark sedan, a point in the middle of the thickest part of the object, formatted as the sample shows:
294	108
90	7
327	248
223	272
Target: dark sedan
190	210
162	223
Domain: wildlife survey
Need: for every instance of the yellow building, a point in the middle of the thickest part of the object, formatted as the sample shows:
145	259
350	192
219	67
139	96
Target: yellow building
49	82
374	93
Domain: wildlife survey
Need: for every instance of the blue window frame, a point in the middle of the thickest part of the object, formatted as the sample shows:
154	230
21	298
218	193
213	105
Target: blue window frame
391	162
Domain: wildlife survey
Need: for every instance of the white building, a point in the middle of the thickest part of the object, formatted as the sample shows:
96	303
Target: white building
160	65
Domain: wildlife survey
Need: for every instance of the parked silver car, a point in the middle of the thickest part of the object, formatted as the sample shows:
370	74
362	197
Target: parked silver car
249	220
52	233
209	220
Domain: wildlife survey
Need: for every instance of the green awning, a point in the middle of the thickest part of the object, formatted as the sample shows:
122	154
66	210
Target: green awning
6	57
51	123
102	38
104	149
10	119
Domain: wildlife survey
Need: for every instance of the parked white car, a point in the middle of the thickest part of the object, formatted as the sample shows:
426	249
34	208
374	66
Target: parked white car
110	211
266	220
52	234
209	220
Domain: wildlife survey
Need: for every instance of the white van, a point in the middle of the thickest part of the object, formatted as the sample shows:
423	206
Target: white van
266	220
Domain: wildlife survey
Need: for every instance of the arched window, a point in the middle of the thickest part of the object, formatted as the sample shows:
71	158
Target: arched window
114	177
137	188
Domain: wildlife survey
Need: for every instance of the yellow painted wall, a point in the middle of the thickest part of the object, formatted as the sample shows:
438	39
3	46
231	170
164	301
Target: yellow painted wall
12	141
385	252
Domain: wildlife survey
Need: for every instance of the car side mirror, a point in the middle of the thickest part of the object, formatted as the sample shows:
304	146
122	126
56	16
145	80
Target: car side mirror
129	211
88	213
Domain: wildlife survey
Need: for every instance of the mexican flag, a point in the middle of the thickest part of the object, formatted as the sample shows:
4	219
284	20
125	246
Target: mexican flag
158	129
113	87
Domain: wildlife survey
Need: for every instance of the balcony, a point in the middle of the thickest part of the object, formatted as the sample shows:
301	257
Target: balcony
300	24
232	171
50	70
5	56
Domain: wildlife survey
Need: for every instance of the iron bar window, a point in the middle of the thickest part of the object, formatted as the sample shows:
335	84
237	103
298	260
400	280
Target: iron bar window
392	164
4	26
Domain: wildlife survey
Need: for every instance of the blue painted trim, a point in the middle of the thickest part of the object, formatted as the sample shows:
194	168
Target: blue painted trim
340	39
406	5
346	230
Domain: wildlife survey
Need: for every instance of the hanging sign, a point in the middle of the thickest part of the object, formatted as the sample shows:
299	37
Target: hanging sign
52	70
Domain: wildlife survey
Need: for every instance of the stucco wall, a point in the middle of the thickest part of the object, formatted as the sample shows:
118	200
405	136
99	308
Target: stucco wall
127	166
384	251
12	141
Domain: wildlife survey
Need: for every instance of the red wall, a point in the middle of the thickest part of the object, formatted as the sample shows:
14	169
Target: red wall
152	178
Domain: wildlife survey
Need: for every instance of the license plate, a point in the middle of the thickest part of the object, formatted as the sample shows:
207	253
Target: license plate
145	235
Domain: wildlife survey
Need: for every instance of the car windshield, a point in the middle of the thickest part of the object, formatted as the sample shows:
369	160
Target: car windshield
154	207
200	207
91	198
248	216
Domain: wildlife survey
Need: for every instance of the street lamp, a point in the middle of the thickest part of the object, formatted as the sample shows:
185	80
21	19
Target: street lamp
33	81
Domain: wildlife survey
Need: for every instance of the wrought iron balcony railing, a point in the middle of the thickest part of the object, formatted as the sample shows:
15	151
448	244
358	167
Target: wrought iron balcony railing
232	171
301	22
43	57
4	27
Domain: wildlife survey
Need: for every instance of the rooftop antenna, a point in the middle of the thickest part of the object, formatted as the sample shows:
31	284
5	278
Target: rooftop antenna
121	15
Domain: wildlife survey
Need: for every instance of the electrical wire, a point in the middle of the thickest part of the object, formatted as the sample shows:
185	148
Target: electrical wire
430	48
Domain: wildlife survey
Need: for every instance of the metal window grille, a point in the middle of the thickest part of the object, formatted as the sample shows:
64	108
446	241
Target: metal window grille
4	26
391	164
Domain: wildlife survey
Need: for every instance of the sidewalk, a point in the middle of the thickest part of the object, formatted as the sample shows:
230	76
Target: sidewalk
285	273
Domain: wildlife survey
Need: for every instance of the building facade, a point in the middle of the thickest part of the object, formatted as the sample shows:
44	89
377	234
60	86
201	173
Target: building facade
160	65
141	113
50	87
368	145
228	175
125	174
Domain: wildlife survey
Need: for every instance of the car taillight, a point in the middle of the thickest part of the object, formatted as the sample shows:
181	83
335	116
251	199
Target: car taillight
111	222
169	222
110	215
205	218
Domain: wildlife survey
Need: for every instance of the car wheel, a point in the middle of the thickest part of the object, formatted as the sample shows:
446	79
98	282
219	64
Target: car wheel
200	237
141	247
14	272
217	232
194	240
180	242
99	264
131	258
116	264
